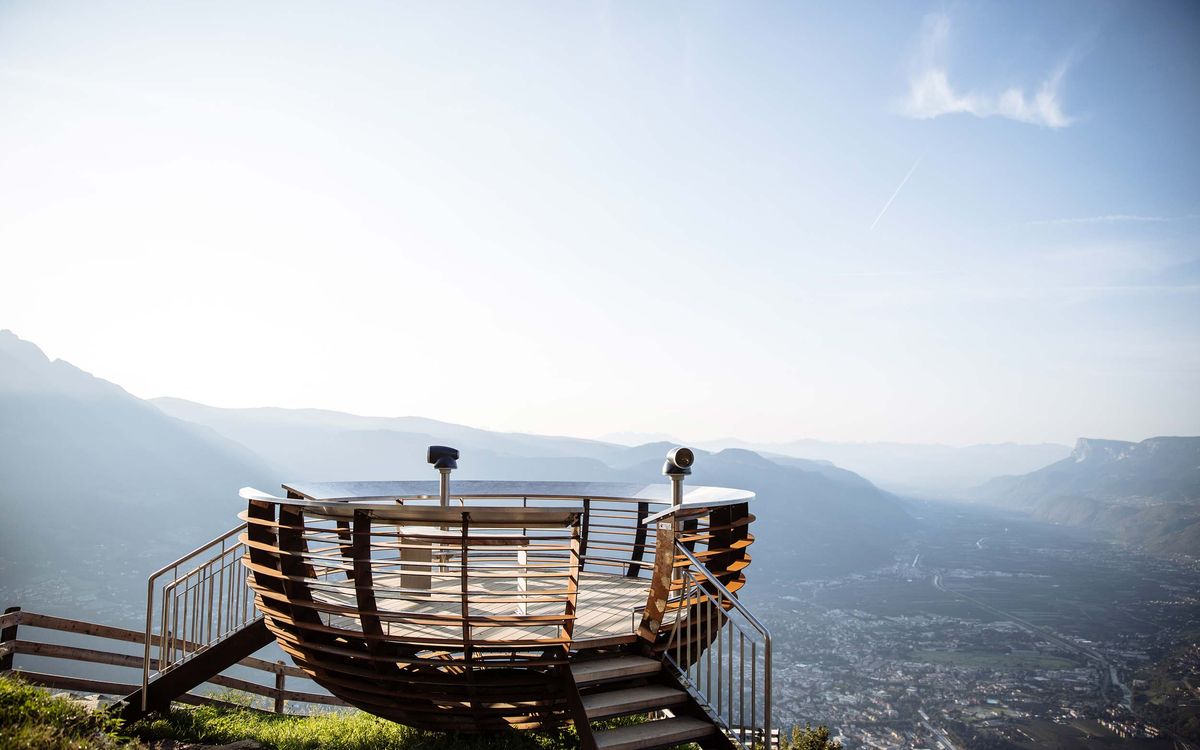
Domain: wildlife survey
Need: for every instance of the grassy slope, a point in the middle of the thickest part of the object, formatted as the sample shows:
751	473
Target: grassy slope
31	719
330	731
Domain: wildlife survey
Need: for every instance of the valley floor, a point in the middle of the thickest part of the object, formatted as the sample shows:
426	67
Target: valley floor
992	630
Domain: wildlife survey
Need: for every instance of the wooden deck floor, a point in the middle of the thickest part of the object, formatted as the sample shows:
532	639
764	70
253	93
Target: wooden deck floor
604	607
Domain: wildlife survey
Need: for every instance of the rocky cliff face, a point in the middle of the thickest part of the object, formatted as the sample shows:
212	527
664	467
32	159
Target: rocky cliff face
1145	493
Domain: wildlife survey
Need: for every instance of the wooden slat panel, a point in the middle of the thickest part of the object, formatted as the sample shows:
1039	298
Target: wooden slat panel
441	657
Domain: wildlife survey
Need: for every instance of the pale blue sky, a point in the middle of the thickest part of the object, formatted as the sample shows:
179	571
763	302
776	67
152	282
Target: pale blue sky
587	218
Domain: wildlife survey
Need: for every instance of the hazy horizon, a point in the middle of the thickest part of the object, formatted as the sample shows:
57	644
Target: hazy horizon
624	438
924	224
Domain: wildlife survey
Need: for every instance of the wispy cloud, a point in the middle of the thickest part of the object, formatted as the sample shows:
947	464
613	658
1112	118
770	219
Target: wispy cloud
1113	219
897	192
931	94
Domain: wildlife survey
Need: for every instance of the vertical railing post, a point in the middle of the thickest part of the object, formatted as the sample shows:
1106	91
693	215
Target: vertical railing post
753	683
149	637
6	635
464	582
279	685
767	688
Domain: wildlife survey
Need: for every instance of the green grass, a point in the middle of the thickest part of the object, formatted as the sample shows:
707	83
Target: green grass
352	730
30	719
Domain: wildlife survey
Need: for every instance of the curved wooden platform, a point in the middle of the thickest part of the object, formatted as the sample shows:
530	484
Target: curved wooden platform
467	617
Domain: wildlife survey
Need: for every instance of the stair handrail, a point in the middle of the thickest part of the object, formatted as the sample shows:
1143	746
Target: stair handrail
719	600
198	576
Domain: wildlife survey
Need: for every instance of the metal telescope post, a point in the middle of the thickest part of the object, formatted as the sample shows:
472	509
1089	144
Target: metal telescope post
678	465
445	460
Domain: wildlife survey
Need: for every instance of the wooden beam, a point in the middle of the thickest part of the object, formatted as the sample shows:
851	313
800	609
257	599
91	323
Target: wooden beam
583	728
64	682
12	616
660	583
200	668
638	552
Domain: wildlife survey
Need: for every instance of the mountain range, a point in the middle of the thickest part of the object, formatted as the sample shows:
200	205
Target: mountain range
99	487
829	504
1145	493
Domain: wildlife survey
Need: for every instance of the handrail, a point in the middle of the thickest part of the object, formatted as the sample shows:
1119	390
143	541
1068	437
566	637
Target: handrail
720	587
211	590
703	625
387	491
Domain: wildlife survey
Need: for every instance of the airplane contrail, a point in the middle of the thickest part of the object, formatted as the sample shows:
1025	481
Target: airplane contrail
898	189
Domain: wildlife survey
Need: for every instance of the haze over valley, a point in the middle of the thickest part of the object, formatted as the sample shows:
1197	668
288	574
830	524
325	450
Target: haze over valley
1081	575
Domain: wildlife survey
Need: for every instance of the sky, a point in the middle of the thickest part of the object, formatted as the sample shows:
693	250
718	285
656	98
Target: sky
945	222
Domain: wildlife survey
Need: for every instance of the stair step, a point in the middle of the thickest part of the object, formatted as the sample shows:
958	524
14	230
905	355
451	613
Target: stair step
613	668
654	734
631	701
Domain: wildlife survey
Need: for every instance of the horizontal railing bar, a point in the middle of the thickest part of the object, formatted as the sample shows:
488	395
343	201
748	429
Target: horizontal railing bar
181	560
39	648
76	653
64	682
81	627
108	687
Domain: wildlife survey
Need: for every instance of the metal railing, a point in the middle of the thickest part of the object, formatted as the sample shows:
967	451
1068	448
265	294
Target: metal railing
721	653
453	582
196	601
615	537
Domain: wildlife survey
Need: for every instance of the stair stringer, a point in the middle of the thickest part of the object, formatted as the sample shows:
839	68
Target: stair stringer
169	685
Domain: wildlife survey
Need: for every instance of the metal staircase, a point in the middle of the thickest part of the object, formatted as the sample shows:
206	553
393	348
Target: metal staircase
702	686
720	652
622	685
200	621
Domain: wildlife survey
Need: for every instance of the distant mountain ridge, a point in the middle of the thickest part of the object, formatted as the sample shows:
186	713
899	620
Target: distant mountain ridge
320	444
1145	493
1166	469
914	469
96	483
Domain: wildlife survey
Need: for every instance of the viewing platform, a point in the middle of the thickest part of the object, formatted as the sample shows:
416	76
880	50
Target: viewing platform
479	606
